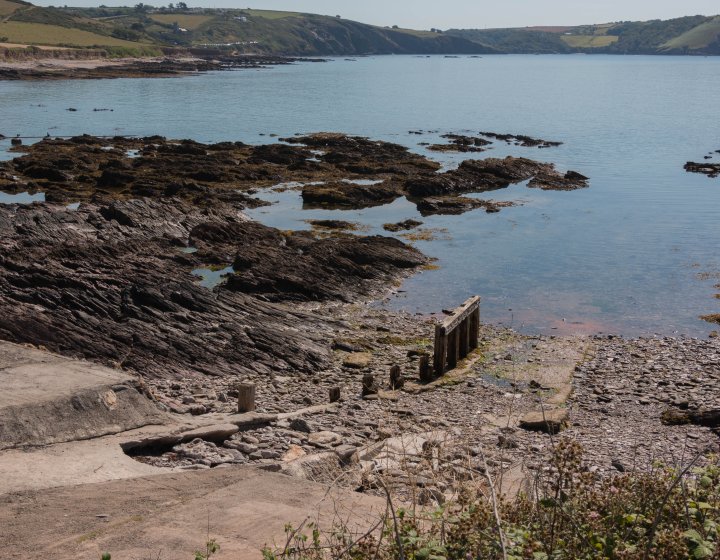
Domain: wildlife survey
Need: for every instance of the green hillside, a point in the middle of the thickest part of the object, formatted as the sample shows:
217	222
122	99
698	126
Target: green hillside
143	29
247	31
515	41
698	35
699	38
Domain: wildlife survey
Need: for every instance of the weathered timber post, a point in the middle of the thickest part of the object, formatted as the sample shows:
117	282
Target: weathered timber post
457	336
396	378
453	349
441	350
475	329
246	397
369	387
464	333
426	372
334	394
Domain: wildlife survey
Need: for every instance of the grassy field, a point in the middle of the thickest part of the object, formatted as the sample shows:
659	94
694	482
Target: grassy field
7	8
698	37
416	32
589	41
188	21
40	34
271	14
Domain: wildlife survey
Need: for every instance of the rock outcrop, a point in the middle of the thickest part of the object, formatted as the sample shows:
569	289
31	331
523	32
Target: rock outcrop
110	282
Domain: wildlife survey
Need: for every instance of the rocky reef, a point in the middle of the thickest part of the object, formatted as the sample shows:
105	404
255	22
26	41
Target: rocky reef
712	170
113	282
141	256
333	171
102	68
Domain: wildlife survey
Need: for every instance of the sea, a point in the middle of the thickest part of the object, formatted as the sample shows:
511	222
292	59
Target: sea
636	253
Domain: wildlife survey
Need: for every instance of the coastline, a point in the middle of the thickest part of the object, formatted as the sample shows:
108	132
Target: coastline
106	271
39	68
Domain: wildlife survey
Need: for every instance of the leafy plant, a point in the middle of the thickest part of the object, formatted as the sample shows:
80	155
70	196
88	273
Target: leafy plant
211	548
662	514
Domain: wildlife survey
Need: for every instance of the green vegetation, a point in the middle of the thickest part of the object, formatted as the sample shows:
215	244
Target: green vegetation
661	514
698	37
187	21
271	14
589	41
294	33
7	7
54	35
516	41
687	35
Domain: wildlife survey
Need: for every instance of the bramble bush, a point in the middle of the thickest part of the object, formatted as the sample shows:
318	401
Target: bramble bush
663	513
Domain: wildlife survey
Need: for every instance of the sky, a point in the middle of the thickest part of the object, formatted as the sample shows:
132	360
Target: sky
445	14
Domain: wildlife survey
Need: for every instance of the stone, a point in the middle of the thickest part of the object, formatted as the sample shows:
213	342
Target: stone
294	452
357	360
324	439
550	421
347	454
300	425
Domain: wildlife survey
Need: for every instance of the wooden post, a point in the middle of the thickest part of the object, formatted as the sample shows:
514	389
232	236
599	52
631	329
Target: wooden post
441	346
457	336
334	394
246	397
475	329
453	349
368	385
396	378
463	332
426	372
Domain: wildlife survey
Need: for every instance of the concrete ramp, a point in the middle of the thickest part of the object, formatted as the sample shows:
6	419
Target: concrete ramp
48	399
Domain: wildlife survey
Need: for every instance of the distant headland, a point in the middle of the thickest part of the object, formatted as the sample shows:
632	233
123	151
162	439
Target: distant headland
176	29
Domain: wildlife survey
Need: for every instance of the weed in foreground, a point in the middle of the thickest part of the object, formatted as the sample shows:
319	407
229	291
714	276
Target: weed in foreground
663	513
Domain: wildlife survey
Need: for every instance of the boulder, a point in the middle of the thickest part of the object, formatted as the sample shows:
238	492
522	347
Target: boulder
357	360
324	439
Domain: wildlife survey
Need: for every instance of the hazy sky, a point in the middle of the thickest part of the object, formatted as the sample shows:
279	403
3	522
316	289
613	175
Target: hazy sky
423	14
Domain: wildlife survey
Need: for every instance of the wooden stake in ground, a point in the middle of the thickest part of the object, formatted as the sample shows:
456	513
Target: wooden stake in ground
396	378
246	397
369	387
334	394
426	372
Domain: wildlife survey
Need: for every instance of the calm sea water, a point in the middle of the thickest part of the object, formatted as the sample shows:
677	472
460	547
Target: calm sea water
637	253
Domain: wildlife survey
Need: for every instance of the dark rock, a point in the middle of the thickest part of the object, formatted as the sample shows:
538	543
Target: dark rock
342	195
712	170
300	267
461	144
301	425
333	224
402	226
457	205
346	346
521	140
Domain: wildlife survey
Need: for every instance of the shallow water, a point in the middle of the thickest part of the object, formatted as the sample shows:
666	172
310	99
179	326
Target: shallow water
636	253
21	198
209	278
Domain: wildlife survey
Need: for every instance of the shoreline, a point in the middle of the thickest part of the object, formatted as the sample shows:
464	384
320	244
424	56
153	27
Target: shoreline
296	315
39	69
